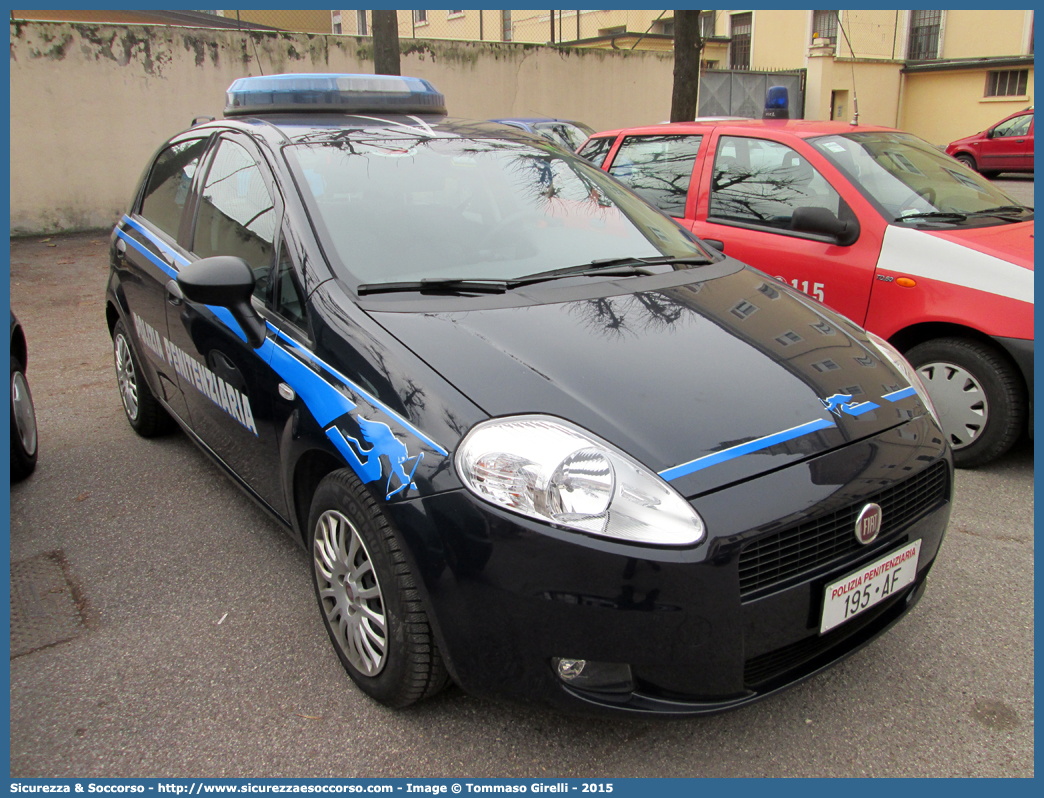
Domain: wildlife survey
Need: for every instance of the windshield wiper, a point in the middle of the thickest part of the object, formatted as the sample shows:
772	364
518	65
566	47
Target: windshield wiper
609	267
952	216
628	265
437	285
1003	211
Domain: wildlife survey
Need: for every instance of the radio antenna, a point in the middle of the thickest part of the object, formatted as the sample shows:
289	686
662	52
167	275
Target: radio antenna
855	98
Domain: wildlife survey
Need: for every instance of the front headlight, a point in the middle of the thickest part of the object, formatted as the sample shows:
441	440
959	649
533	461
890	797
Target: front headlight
548	469
902	365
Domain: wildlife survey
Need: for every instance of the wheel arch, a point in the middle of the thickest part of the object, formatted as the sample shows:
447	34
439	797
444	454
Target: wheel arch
312	466
111	316
915	334
19	348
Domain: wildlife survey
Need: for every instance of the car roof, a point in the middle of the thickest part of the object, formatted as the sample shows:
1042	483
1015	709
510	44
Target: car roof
284	128
801	128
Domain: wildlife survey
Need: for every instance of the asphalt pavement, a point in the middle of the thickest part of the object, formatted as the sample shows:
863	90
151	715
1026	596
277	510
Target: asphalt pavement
198	649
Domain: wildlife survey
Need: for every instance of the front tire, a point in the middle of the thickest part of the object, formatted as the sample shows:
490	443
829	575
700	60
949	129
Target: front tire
24	441
978	394
367	596
144	412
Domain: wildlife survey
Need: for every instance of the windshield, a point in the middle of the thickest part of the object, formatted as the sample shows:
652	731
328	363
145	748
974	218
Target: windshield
407	210
909	177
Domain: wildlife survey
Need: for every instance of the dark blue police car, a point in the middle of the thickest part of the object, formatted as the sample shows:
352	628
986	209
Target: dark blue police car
536	438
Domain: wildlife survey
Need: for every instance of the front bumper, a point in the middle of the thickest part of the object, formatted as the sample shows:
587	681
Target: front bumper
700	634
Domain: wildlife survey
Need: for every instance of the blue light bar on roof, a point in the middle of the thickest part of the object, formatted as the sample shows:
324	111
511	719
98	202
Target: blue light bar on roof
298	93
777	103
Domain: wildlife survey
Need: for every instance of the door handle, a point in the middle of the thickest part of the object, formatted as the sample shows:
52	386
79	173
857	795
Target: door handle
1020	141
174	295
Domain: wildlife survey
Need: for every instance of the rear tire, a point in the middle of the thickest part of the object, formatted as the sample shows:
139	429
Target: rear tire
969	161
368	597
144	412
978	394
24	441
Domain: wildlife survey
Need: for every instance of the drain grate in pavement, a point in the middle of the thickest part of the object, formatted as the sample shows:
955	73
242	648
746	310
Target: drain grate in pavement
44	609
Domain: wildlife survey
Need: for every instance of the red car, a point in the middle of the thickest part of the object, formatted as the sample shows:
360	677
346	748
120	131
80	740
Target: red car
876	223
1005	147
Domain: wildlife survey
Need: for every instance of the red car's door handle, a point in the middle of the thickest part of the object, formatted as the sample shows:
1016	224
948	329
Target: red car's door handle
1019	141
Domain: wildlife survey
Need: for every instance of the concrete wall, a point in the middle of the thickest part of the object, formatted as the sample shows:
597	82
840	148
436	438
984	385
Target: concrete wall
974	34
91	103
944	106
780	39
876	87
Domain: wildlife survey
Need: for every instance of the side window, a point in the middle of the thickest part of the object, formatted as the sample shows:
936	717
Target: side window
762	182
596	149
289	302
1018	126
658	168
169	184
236	214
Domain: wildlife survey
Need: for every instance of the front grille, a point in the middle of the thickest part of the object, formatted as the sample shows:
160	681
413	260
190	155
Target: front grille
764	667
815	545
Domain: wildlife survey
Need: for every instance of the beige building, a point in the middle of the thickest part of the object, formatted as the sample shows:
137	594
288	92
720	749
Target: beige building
941	74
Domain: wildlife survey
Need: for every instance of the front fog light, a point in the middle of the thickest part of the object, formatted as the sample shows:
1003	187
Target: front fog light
600	677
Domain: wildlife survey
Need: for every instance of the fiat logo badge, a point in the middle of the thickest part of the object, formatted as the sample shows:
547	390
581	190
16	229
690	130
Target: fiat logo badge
868	524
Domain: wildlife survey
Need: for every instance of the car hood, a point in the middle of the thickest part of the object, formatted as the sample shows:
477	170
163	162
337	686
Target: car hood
707	383
1010	242
966	140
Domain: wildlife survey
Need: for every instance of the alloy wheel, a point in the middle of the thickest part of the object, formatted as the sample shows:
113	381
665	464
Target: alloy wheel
350	594
24	415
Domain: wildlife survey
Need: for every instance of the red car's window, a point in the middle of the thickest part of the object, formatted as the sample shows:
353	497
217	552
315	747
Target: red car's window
1018	126
762	182
596	149
658	168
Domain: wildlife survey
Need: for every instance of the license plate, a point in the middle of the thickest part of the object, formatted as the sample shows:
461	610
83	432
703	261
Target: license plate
872	583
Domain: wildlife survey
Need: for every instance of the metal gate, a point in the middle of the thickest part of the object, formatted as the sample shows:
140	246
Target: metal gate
736	92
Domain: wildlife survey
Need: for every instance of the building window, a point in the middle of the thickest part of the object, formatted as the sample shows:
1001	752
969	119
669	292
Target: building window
824	27
924	34
507	25
664	27
743	309
420	17
739	52
1009	83
451	14
706	24
708	65
360	21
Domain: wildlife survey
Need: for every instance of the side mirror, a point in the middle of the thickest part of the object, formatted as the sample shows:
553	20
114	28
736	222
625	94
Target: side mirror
227	282
990	133
820	221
